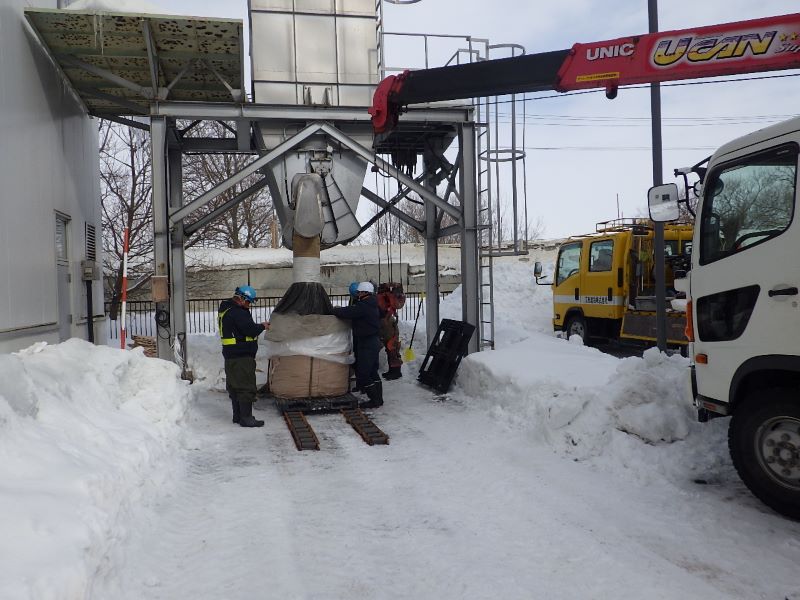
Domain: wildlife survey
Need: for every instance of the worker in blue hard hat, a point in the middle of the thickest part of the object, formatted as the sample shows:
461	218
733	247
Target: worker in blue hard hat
366	323
239	335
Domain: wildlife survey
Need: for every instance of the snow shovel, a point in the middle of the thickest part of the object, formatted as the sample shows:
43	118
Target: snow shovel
409	355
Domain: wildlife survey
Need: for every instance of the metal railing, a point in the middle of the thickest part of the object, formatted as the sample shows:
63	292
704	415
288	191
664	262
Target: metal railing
201	314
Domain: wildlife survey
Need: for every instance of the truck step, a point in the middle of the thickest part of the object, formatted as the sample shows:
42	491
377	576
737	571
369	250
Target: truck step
368	431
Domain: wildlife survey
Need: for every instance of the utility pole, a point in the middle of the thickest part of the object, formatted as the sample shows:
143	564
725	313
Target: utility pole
658	179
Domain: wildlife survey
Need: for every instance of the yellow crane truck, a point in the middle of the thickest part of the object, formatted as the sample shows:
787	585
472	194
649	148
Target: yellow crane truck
604	282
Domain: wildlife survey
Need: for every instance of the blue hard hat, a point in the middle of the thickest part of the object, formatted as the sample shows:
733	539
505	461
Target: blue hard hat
245	292
354	288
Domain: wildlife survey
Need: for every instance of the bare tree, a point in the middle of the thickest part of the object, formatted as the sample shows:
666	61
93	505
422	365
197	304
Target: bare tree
250	224
126	196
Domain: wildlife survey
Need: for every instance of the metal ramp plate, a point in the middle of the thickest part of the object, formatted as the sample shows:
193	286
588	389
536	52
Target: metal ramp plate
302	434
368	431
316	405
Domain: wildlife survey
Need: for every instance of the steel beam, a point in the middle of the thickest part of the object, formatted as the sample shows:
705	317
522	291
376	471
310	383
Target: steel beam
470	283
136	109
126	122
161	240
256	112
410	221
371	157
254	166
209	145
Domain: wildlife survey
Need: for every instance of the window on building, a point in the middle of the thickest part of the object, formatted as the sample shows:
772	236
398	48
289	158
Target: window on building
62	248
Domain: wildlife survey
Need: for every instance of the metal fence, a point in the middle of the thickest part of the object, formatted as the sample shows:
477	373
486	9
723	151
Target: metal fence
201	315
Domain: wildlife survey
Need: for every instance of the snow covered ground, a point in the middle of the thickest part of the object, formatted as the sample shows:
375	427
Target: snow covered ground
550	470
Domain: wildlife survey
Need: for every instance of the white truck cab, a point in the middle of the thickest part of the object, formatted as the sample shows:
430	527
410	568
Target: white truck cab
744	314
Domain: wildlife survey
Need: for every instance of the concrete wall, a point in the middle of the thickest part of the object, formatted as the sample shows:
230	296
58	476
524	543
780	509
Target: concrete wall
48	166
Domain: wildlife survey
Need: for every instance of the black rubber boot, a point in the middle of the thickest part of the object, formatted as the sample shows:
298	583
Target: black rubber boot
374	392
246	418
392	373
235	407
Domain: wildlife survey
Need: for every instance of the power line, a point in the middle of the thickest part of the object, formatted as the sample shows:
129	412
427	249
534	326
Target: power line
636	87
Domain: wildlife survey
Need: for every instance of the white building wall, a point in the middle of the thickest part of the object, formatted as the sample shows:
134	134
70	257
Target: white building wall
48	166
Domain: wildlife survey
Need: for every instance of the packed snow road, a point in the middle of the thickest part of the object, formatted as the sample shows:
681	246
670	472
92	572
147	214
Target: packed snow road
551	471
457	506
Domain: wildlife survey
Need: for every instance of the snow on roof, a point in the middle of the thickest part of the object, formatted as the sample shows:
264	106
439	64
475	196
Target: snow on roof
413	254
126	6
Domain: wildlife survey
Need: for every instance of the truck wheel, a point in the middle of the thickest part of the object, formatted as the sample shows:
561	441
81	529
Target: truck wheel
764	440
576	325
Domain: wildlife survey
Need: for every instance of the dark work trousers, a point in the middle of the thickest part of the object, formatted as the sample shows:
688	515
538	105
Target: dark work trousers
240	378
366	349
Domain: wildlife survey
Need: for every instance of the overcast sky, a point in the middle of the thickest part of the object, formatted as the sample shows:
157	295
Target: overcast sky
584	150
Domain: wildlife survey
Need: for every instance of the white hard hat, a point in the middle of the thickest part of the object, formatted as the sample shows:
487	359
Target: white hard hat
366	286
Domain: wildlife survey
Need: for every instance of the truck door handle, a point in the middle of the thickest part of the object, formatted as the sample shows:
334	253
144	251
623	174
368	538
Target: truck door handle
789	291
577	294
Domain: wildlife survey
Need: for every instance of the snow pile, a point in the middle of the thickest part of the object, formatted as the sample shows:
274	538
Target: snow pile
117	6
521	307
588	405
84	433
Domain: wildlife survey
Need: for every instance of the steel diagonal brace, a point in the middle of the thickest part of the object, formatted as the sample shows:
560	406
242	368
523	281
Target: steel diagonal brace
254	166
392	171
152	59
412	222
108	76
235	94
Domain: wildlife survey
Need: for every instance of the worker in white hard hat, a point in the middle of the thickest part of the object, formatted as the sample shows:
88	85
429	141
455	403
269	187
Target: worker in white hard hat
366	322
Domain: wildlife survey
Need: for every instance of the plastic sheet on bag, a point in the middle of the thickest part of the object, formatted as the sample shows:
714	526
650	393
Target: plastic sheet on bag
317	336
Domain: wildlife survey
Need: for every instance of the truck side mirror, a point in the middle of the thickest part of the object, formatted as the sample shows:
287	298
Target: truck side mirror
662	200
537	273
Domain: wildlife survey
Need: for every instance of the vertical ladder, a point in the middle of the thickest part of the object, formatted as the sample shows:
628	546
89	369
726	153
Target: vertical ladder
485	264
379	38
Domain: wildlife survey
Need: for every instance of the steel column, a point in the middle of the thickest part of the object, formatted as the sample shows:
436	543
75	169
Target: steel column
658	179
178	265
431	256
470	284
161	241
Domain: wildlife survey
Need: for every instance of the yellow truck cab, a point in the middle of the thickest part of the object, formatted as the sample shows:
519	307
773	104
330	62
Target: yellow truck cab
604	282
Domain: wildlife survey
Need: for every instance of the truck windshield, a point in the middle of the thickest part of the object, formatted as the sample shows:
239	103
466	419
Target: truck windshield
748	202
569	262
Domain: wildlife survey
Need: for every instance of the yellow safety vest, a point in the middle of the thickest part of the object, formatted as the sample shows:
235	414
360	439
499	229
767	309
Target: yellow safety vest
229	341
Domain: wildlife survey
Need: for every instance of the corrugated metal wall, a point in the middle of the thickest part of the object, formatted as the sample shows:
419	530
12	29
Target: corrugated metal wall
48	166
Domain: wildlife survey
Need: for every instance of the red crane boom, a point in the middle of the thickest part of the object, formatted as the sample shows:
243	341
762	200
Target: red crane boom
768	44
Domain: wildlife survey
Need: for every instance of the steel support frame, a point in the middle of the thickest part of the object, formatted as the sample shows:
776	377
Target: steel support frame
178	263
170	210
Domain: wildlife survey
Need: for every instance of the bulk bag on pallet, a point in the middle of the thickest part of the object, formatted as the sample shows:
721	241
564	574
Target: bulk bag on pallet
309	356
